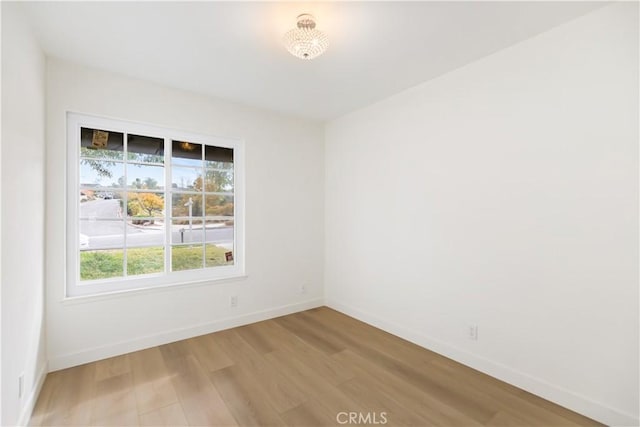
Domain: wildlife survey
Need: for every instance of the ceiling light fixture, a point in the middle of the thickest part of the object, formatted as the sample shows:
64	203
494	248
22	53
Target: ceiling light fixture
305	42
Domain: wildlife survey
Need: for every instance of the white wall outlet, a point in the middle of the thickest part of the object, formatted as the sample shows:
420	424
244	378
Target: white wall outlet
303	288
20	386
473	332
233	301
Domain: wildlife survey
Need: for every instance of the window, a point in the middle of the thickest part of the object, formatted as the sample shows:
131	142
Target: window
150	207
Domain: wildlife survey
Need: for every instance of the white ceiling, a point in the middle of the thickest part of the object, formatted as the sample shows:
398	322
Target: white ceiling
233	50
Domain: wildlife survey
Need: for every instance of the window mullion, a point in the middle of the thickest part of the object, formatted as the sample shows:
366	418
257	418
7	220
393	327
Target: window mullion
168	205
204	209
125	203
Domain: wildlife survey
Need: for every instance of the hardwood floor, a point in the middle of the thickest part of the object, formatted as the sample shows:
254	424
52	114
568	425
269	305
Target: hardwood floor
306	369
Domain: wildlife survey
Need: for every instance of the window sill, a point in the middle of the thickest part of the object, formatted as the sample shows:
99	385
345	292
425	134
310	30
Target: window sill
85	299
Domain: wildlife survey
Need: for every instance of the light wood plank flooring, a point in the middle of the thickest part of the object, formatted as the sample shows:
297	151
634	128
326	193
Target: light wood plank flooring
303	369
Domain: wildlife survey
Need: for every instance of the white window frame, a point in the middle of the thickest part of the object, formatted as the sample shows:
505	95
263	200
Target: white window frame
74	287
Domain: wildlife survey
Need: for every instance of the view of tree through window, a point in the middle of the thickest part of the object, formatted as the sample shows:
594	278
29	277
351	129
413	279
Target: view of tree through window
146	212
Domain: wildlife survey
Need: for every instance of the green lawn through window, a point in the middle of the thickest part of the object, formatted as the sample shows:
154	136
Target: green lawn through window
104	264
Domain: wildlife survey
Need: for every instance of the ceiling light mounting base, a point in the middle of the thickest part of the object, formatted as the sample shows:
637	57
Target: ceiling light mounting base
306	22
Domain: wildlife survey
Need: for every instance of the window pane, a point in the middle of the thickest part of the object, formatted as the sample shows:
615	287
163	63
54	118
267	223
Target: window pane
145	260
144	204
101	264
101	173
218	157
186	154
145	149
145	177
101	144
184	232
218	255
100	204
101	234
218	205
145	231
186	179
180	204
219	232
188	257
218	181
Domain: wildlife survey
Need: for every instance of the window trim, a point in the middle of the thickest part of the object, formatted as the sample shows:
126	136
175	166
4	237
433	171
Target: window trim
74	288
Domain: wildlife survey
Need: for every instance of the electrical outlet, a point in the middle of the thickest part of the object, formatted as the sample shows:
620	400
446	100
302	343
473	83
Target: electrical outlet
473	332
20	386
303	288
233	301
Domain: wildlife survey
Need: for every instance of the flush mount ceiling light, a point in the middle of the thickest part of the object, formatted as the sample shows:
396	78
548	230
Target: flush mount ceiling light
305	42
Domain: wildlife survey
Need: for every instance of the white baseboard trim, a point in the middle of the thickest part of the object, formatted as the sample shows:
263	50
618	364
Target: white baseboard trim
116	349
27	409
554	393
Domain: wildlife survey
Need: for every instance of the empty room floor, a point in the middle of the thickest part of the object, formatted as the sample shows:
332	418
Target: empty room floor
317	367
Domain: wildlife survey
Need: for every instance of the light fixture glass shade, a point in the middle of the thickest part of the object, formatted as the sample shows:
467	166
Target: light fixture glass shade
305	42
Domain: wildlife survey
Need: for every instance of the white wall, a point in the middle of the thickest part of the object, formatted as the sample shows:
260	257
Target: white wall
23	167
0	223
503	194
284	219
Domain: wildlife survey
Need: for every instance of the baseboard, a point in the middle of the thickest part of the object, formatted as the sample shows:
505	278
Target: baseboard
546	390
27	409
115	349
